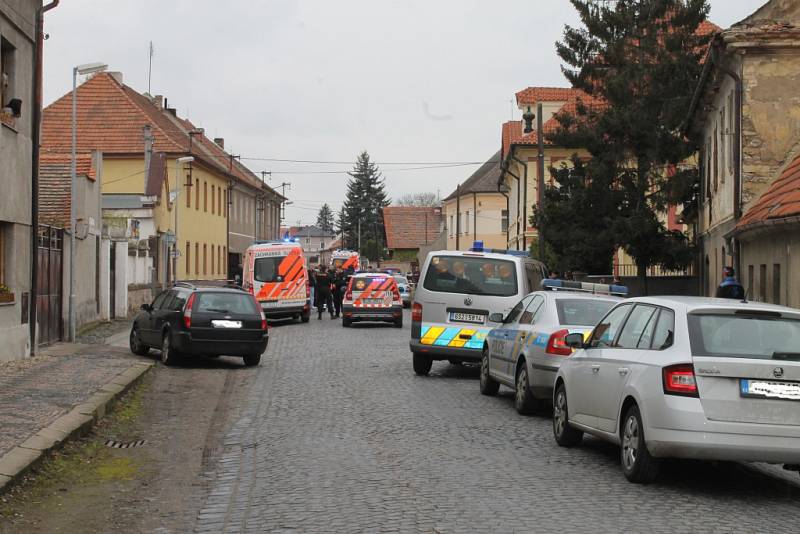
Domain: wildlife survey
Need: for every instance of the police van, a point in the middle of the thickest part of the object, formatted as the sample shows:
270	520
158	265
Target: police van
456	294
275	273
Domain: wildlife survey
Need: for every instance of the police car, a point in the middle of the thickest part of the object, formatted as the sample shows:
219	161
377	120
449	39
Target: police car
459	294
372	297
526	350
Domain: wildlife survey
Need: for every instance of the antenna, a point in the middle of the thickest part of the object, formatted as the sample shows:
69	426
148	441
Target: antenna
150	67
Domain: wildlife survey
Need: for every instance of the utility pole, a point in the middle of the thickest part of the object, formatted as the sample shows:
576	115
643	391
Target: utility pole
231	184
458	215
540	172
283	187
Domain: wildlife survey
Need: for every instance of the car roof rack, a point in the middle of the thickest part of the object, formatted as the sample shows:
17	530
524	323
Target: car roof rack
184	284
551	284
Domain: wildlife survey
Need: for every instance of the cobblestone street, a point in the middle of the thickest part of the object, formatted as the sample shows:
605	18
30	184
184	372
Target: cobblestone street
335	433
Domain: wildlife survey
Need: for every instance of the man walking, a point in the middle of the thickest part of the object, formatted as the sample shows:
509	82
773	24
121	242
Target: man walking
323	290
730	288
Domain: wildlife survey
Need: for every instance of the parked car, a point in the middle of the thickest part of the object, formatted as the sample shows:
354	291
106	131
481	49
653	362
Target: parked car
372	297
526	350
405	289
685	377
457	293
186	320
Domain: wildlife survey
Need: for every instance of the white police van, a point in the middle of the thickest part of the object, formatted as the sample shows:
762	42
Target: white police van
456	294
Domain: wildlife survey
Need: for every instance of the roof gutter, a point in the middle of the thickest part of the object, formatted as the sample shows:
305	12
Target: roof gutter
36	120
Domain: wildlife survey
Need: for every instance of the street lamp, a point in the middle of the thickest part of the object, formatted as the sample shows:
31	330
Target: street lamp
87	68
175	193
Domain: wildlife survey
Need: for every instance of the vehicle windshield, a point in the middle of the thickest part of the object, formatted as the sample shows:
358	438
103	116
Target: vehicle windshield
266	269
233	303
582	312
401	280
363	282
743	336
472	275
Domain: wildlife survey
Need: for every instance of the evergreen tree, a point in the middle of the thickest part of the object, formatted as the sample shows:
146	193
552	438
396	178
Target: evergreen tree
325	219
363	205
641	59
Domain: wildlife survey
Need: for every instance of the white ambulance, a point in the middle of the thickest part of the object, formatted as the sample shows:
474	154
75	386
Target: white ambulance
345	259
275	272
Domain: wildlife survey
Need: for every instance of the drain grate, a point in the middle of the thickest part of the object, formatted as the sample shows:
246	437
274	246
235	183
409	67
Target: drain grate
123	445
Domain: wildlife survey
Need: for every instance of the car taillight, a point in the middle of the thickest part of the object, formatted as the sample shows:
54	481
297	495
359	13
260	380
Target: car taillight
679	380
308	290
416	312
557	344
187	311
395	294
261	311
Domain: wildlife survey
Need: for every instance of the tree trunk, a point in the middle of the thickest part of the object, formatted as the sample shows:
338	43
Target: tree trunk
641	275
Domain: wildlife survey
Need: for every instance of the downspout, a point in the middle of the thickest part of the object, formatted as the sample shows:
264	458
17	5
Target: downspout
500	190
36	120
507	169
524	200
737	154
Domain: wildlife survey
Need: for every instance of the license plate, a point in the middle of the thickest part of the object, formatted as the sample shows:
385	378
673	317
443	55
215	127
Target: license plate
219	323
372	302
769	389
475	318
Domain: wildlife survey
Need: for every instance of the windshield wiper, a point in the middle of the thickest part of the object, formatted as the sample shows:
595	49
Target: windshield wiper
786	356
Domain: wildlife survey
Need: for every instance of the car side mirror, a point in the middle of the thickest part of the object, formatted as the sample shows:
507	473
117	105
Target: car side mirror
574	341
496	318
146	307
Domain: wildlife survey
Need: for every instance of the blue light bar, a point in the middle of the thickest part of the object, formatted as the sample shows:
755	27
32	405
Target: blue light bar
584	287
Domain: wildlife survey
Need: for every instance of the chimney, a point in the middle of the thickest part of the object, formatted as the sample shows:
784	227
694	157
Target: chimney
220	141
172	111
117	76
158	100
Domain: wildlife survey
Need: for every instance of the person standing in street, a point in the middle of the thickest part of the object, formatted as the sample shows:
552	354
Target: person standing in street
312	285
339	285
323	290
730	288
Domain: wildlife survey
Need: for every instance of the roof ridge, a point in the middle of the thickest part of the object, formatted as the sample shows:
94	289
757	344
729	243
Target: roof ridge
124	90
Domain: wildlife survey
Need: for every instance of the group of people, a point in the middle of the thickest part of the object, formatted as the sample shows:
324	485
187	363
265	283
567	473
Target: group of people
328	286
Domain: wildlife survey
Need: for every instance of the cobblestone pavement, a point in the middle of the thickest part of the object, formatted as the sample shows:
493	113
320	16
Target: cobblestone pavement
335	433
99	333
34	392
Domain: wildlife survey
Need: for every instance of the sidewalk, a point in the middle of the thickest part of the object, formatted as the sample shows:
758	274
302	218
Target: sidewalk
49	398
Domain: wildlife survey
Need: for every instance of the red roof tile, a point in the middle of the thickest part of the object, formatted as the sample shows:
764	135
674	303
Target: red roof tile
780	201
533	95
54	186
406	226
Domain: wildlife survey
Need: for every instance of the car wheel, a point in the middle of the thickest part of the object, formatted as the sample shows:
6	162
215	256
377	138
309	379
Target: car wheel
251	360
524	402
489	386
398	323
346	322
306	317
135	342
422	364
169	356
637	464
565	435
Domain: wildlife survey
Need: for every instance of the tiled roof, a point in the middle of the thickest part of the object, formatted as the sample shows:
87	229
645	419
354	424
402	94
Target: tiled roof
406	226
54	186
483	180
532	95
110	118
780	201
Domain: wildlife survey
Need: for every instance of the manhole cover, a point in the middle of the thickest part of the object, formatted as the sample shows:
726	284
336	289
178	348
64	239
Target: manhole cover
124	445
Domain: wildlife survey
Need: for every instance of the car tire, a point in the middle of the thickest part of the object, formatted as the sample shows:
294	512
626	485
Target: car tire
488	385
306	317
251	360
346	322
398	323
524	401
565	435
169	356
135	343
422	364
637	464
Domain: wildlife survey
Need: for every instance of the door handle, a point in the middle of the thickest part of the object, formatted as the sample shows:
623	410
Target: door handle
623	371
595	368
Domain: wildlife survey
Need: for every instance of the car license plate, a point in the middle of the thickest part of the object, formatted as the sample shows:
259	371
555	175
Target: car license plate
226	324
769	389
467	317
373	302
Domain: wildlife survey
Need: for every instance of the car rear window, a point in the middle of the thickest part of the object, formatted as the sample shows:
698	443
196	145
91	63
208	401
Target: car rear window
743	336
472	275
362	282
240	303
266	269
582	312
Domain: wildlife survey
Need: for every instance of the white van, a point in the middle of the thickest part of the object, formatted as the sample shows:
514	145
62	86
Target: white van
345	259
456	294
275	273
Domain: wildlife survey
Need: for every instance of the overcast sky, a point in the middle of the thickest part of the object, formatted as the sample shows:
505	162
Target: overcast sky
409	81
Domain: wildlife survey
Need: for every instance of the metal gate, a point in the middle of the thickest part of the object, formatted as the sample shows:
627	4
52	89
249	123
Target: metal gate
49	296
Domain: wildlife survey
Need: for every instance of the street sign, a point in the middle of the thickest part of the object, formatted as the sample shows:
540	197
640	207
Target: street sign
169	238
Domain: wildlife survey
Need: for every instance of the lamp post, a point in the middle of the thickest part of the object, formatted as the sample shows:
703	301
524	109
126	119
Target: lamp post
87	68
175	193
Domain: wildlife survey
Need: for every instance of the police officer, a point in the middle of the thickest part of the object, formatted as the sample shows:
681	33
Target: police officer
730	288
323	290
339	285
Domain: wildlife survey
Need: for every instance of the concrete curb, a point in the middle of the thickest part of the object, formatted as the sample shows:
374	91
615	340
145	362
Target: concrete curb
69	426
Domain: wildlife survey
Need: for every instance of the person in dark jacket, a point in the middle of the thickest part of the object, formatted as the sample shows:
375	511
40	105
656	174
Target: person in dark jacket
323	290
339	286
312	286
730	288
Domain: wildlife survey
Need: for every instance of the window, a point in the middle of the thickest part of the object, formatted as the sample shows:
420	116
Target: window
7	72
759	336
212	253
213	197
233	303
219	201
205	196
762	283
3	251
178	300
188	193
188	257
450	228
664	333
776	283
715	161
466	223
731	131
160	300
197	258
504	221
472	276
533	311
606	330
219	260
723	139
582	312
197	194
638	329
205	257
224	260
517	310
225	202
750	280
534	275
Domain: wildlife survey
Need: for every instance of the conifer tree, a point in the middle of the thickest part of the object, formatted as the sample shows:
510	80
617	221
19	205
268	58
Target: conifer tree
364	202
325	219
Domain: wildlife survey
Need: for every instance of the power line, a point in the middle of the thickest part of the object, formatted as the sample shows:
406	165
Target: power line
281	160
389	170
